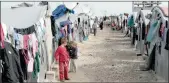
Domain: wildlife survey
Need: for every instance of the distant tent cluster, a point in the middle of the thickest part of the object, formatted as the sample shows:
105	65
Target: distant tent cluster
149	33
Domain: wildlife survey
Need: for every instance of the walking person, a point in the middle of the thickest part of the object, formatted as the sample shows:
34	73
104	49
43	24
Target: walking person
101	25
95	27
62	57
73	56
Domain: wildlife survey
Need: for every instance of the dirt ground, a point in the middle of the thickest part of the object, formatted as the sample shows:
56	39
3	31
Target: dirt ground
109	57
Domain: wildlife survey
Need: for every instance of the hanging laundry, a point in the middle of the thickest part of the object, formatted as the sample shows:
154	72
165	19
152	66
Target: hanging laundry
165	31
143	30
69	28
1	37
25	31
152	31
5	30
25	41
62	33
21	42
34	43
24	59
16	39
53	26
167	41
42	25
131	21
147	29
12	72
39	31
66	30
161	30
36	68
31	61
60	11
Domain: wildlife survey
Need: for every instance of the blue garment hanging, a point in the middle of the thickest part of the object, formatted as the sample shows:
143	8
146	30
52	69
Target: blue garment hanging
60	11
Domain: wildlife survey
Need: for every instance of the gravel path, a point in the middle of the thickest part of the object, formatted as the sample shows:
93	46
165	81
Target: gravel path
108	57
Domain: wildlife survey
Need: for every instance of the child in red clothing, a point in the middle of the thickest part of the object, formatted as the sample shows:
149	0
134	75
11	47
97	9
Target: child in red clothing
62	56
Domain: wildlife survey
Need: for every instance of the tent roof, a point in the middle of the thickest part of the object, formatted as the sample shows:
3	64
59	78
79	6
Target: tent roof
22	17
163	9
143	14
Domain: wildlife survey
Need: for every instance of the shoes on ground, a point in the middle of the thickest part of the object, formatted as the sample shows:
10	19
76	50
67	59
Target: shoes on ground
67	79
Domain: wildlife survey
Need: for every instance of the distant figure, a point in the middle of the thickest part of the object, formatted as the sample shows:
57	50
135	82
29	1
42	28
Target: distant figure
101	25
94	27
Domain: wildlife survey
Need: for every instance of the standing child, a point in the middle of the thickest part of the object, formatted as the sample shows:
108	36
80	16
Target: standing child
73	56
62	56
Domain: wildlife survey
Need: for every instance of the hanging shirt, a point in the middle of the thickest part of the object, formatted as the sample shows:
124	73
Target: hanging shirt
143	31
131	22
42	24
36	68
35	44
39	31
25	41
162	31
147	28
1	37
66	30
12	72
16	38
153	30
167	40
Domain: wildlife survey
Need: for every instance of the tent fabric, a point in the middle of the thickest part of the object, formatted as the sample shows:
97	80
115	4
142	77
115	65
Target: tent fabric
21	18
43	3
165	11
22	5
60	11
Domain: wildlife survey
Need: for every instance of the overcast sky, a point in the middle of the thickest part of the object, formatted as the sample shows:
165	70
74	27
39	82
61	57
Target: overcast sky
98	8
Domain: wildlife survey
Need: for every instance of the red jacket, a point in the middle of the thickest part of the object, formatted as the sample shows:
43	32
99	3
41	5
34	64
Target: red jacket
61	54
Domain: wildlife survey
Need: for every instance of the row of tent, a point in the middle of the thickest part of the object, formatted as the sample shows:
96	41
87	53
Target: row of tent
30	35
150	35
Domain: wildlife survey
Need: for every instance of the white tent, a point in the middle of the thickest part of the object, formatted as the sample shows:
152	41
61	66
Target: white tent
141	18
24	17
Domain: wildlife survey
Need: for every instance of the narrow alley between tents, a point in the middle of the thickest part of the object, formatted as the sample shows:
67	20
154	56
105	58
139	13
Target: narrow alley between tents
109	57
84	42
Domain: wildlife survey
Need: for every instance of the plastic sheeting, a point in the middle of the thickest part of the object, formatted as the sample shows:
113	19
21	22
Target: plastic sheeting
60	11
22	18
